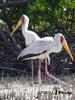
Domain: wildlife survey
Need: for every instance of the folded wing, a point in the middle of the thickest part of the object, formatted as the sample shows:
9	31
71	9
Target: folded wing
37	47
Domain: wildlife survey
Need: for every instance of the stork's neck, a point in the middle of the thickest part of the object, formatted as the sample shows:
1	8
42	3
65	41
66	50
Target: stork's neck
58	43
25	26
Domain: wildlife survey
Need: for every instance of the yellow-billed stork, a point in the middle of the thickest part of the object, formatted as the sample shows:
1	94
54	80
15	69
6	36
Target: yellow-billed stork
29	36
39	49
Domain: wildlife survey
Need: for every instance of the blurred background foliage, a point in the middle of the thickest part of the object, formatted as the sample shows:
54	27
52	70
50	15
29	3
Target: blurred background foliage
45	14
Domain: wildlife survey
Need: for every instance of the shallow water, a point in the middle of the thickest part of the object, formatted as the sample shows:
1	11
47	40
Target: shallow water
22	88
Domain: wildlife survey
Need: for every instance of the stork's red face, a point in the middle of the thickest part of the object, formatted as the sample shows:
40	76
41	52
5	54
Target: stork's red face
20	22
65	45
22	18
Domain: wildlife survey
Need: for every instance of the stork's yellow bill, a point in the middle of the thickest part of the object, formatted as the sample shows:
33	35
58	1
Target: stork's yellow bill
20	22
65	45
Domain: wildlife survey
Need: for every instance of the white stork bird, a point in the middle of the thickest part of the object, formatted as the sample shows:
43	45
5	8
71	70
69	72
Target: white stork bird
29	36
39	49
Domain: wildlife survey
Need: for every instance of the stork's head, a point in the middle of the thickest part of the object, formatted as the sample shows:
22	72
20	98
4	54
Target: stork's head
61	39
23	21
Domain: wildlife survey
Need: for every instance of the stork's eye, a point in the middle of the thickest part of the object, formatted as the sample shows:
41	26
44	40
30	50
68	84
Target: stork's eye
62	39
22	19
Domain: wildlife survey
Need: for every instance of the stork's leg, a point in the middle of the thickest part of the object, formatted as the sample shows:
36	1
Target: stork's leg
51	76
46	68
32	68
39	74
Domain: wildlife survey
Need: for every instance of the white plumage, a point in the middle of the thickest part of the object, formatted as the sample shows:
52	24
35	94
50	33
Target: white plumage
29	36
42	47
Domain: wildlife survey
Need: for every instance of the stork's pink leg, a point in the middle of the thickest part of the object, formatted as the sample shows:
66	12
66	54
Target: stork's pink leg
51	76
39	74
32	67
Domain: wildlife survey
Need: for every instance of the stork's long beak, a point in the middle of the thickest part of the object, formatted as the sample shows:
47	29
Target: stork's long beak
65	45
17	26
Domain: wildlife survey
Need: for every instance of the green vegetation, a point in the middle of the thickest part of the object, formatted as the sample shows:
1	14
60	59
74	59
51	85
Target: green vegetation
46	14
